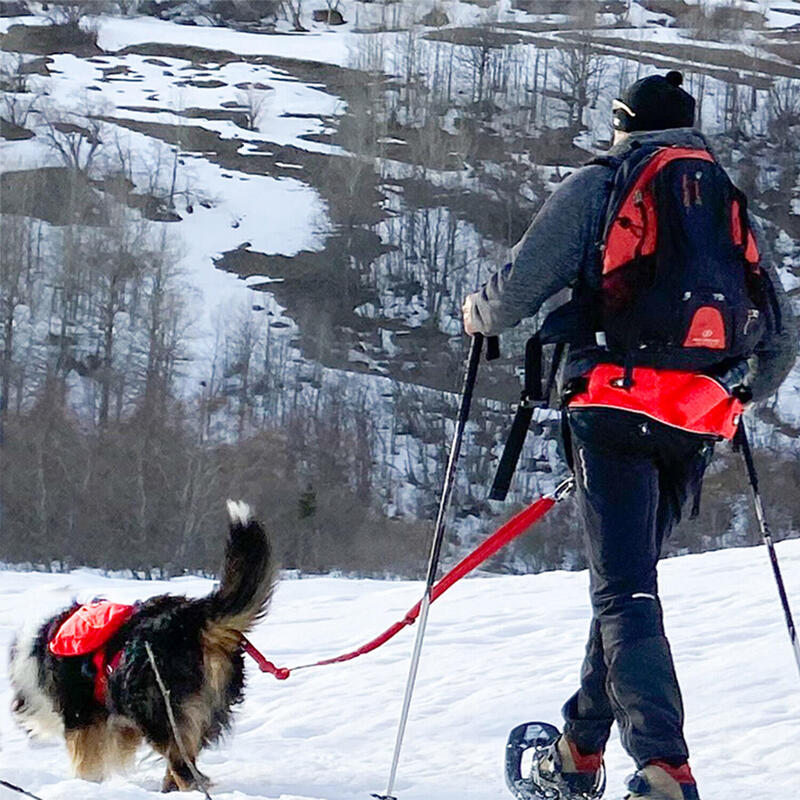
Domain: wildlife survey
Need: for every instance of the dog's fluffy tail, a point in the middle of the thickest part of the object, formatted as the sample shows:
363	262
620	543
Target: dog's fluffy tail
248	574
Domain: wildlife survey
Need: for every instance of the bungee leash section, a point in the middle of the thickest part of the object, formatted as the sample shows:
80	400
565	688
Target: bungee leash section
433	588
515	527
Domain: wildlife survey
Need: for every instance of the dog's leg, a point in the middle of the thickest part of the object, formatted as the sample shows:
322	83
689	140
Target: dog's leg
124	739
180	775
88	751
169	784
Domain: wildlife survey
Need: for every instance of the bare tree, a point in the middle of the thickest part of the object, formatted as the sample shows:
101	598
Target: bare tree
19	101
18	268
75	138
293	11
254	102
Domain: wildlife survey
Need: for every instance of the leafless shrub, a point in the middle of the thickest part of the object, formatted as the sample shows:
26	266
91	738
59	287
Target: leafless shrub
77	139
254	102
293	11
17	98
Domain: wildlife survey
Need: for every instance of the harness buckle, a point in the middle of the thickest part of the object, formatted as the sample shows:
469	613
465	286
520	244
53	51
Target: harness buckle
529	402
563	489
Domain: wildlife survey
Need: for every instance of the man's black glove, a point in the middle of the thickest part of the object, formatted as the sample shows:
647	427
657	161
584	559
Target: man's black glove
734	381
743	393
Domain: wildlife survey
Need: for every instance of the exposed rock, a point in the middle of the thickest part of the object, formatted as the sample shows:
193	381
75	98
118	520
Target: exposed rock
48	39
244	10
14	8
55	194
330	16
10	131
435	18
158	8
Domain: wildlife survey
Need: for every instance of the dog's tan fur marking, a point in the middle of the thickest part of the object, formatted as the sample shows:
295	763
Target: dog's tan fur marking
102	748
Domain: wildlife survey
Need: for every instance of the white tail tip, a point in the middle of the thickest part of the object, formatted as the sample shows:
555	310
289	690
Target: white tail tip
239	512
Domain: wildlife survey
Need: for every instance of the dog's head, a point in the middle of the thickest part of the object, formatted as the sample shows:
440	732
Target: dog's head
32	706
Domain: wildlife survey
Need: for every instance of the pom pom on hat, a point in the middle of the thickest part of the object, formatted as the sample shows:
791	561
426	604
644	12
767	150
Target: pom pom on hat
674	77
654	103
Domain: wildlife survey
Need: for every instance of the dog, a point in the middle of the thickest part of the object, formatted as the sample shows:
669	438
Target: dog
107	702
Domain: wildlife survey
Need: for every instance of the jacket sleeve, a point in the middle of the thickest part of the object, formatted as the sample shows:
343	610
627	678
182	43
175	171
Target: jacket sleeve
777	352
550	256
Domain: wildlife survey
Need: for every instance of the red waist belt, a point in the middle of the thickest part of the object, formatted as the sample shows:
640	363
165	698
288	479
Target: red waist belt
685	400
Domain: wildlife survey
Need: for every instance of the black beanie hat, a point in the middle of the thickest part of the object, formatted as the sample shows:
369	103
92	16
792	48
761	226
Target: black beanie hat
653	104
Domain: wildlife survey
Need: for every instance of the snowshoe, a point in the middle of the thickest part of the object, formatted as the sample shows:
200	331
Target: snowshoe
547	781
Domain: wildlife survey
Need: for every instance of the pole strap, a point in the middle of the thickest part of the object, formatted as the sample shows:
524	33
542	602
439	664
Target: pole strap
516	526
533	396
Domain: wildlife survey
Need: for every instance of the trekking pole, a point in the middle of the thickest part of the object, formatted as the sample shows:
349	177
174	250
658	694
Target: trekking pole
742	441
436	548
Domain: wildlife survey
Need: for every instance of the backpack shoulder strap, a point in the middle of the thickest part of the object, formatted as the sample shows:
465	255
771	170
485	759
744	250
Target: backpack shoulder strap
603	161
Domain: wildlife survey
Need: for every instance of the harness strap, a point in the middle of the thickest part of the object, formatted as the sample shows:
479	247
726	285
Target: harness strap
516	526
533	396
104	666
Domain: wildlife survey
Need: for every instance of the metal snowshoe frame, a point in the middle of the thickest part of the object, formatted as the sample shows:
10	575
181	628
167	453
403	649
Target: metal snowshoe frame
540	737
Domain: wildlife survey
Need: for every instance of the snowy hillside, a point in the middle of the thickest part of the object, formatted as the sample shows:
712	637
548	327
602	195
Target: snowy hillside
304	211
500	651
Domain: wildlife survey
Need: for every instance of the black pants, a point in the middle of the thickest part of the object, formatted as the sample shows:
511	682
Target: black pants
633	477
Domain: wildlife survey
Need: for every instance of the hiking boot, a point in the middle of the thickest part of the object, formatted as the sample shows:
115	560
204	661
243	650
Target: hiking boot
563	772
661	781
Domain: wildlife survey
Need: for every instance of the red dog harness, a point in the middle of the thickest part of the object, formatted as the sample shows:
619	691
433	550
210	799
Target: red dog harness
86	631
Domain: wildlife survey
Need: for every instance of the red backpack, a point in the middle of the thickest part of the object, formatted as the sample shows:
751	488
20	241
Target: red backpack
677	286
680	285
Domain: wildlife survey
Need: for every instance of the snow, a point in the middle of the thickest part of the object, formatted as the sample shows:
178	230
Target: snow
499	651
324	45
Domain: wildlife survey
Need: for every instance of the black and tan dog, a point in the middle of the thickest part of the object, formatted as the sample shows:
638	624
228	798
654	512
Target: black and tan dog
196	645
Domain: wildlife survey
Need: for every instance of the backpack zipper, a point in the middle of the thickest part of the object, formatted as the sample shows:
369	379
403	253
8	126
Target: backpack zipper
752	315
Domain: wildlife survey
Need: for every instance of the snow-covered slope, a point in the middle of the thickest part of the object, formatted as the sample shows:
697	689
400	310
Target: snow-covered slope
499	651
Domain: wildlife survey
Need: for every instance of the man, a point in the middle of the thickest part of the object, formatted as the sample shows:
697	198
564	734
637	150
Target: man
635	465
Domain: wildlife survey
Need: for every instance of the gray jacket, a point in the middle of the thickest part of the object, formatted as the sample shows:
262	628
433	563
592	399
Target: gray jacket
560	246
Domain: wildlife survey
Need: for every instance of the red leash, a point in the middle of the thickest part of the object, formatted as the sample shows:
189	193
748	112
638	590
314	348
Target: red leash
516	526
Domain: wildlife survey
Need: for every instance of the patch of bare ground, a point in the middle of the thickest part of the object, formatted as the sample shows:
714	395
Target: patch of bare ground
63	196
36	66
12	132
200	84
238	118
477	36
570	7
117	69
322	291
153	208
341	81
54	194
185	52
350	187
707	17
50	39
731	58
788	51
